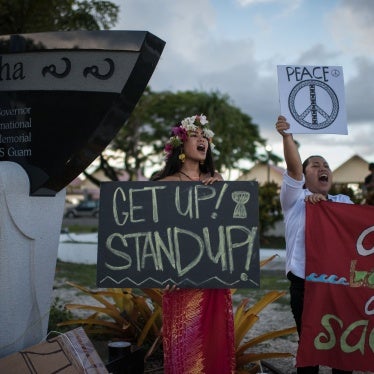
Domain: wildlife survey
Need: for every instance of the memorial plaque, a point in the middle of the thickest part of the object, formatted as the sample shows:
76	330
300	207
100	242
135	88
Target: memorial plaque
64	96
156	233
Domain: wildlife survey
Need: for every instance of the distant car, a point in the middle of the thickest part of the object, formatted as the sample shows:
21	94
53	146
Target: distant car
86	208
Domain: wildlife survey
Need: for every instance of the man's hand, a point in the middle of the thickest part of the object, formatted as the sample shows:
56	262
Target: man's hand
315	198
282	125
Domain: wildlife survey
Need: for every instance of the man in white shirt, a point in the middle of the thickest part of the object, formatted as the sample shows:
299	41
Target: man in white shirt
302	182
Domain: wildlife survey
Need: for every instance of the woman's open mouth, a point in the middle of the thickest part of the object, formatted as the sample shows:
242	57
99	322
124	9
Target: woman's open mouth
201	148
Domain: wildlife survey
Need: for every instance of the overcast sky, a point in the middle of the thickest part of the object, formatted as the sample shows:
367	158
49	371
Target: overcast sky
234	46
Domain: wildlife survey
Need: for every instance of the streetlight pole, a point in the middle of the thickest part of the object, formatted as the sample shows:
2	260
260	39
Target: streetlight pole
268	149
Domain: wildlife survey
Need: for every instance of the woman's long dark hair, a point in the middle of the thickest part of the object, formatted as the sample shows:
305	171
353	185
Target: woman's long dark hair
174	164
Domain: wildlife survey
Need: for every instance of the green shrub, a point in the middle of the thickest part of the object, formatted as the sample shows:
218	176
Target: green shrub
58	313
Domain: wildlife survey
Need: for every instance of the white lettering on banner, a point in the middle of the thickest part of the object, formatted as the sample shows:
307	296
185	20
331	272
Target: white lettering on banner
329	339
369	311
359	246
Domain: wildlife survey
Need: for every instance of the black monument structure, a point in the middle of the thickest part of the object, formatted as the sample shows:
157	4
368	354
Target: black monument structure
64	96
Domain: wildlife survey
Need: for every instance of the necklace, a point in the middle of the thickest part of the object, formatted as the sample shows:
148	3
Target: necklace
191	179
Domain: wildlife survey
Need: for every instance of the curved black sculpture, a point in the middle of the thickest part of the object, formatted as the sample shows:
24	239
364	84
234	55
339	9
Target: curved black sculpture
64	96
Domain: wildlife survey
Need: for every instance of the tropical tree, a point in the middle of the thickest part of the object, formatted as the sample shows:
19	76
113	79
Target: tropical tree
27	16
143	137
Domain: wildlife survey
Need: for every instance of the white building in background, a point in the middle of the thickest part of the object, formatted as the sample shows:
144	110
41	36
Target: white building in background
354	171
263	173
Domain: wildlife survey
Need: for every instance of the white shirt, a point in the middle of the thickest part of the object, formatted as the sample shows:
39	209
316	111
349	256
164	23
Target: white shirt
292	197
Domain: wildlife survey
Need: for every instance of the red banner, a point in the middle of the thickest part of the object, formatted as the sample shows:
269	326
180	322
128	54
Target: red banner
338	316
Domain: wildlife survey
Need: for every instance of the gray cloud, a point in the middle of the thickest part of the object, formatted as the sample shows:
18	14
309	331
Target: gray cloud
361	9
195	57
360	93
318	54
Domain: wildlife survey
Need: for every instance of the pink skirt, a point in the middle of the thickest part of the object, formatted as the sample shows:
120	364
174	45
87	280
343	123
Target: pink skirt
198	332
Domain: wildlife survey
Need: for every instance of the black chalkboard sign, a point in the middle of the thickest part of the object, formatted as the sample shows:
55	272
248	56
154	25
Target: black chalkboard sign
156	233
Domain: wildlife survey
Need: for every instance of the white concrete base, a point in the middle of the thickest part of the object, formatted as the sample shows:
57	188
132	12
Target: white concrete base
29	236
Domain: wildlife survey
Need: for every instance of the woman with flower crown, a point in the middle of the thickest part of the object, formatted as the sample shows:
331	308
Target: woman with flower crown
198	327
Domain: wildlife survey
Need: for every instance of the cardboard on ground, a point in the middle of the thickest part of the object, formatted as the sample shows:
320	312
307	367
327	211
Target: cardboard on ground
69	353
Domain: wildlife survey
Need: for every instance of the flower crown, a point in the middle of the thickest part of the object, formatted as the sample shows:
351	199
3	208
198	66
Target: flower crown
182	132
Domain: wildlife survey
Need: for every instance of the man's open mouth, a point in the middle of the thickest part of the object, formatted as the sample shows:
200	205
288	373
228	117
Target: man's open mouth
323	178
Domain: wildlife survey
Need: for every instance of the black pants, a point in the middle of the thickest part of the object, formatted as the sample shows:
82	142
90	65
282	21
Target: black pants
297	303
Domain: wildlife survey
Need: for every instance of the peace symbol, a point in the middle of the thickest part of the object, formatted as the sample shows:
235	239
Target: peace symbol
314	112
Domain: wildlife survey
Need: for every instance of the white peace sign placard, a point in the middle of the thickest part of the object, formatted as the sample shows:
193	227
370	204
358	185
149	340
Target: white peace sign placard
312	99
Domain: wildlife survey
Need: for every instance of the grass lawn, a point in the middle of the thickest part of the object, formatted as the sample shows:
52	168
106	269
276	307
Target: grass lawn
85	275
